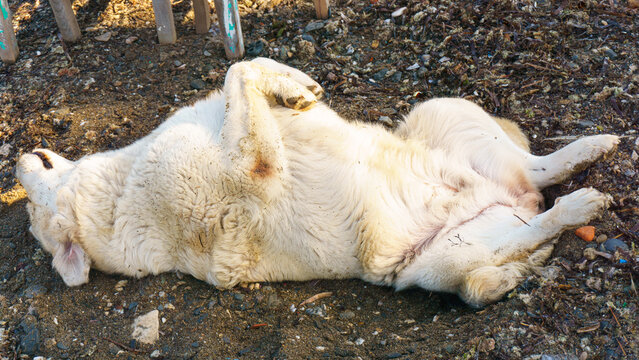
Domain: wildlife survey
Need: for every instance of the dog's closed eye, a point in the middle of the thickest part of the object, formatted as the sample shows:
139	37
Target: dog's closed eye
45	159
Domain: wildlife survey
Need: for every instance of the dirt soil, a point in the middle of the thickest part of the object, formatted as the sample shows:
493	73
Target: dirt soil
560	69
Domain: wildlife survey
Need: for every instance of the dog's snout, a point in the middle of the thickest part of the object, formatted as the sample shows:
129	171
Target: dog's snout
46	162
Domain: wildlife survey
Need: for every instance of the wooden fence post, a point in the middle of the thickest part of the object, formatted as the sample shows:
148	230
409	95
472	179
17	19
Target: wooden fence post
322	9
202	11
229	19
164	21
8	43
65	18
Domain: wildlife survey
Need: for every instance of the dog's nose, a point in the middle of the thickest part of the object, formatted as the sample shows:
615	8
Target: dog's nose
45	159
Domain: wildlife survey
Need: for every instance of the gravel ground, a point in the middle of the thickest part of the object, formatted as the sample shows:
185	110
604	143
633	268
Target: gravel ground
560	69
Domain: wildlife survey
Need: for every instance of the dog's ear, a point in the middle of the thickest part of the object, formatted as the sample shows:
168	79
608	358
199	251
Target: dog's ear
72	263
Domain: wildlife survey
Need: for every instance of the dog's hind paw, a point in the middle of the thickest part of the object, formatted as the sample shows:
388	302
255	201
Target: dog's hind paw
581	206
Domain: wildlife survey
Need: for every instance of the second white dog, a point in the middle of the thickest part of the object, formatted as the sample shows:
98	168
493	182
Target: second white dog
237	188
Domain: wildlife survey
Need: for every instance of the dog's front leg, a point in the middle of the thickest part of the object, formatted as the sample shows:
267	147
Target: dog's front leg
250	133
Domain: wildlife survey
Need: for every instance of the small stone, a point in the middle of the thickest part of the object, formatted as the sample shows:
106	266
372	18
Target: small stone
197	84
422	72
177	63
255	48
30	341
634	156
585	124
317	310
206	53
379	76
346	315
90	135
61	346
146	327
238	297
155	354
114	349
385	120
393	355
34	290
612	245
359	341
375	44
601	238
586	233
195	344
399	12
104	37
130	40
396	77
4	149
314	25
611	54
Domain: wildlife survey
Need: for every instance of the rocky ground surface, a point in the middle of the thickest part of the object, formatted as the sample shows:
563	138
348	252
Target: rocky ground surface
560	69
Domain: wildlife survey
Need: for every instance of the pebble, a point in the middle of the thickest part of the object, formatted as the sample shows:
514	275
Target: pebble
206	53
114	349
385	120
601	238
346	315
611	54
550	273
198	84
634	156
314	25
393	355
317	310
359	341
155	354
104	37
379	76
238	296
397	76
255	48
146	327
177	63
30	341
585	123
61	346
611	245
34	290
130	40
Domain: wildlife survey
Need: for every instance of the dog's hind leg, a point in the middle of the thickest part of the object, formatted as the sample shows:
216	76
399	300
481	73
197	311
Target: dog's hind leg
519	251
556	167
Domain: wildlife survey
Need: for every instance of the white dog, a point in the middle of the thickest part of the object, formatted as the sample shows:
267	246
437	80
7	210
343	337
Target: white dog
237	188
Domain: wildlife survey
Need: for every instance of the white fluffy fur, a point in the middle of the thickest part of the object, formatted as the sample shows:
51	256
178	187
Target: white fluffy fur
238	189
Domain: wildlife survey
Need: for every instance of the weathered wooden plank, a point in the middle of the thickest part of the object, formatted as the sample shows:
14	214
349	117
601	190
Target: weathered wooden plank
65	18
8	43
202	11
229	19
322	9
164	21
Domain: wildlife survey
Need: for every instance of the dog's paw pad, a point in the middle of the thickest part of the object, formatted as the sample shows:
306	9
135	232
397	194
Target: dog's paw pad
316	89
297	102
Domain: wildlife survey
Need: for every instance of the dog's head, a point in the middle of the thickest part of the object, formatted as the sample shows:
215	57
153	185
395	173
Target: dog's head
45	177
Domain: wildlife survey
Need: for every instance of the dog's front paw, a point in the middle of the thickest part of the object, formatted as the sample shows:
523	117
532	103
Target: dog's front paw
581	206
